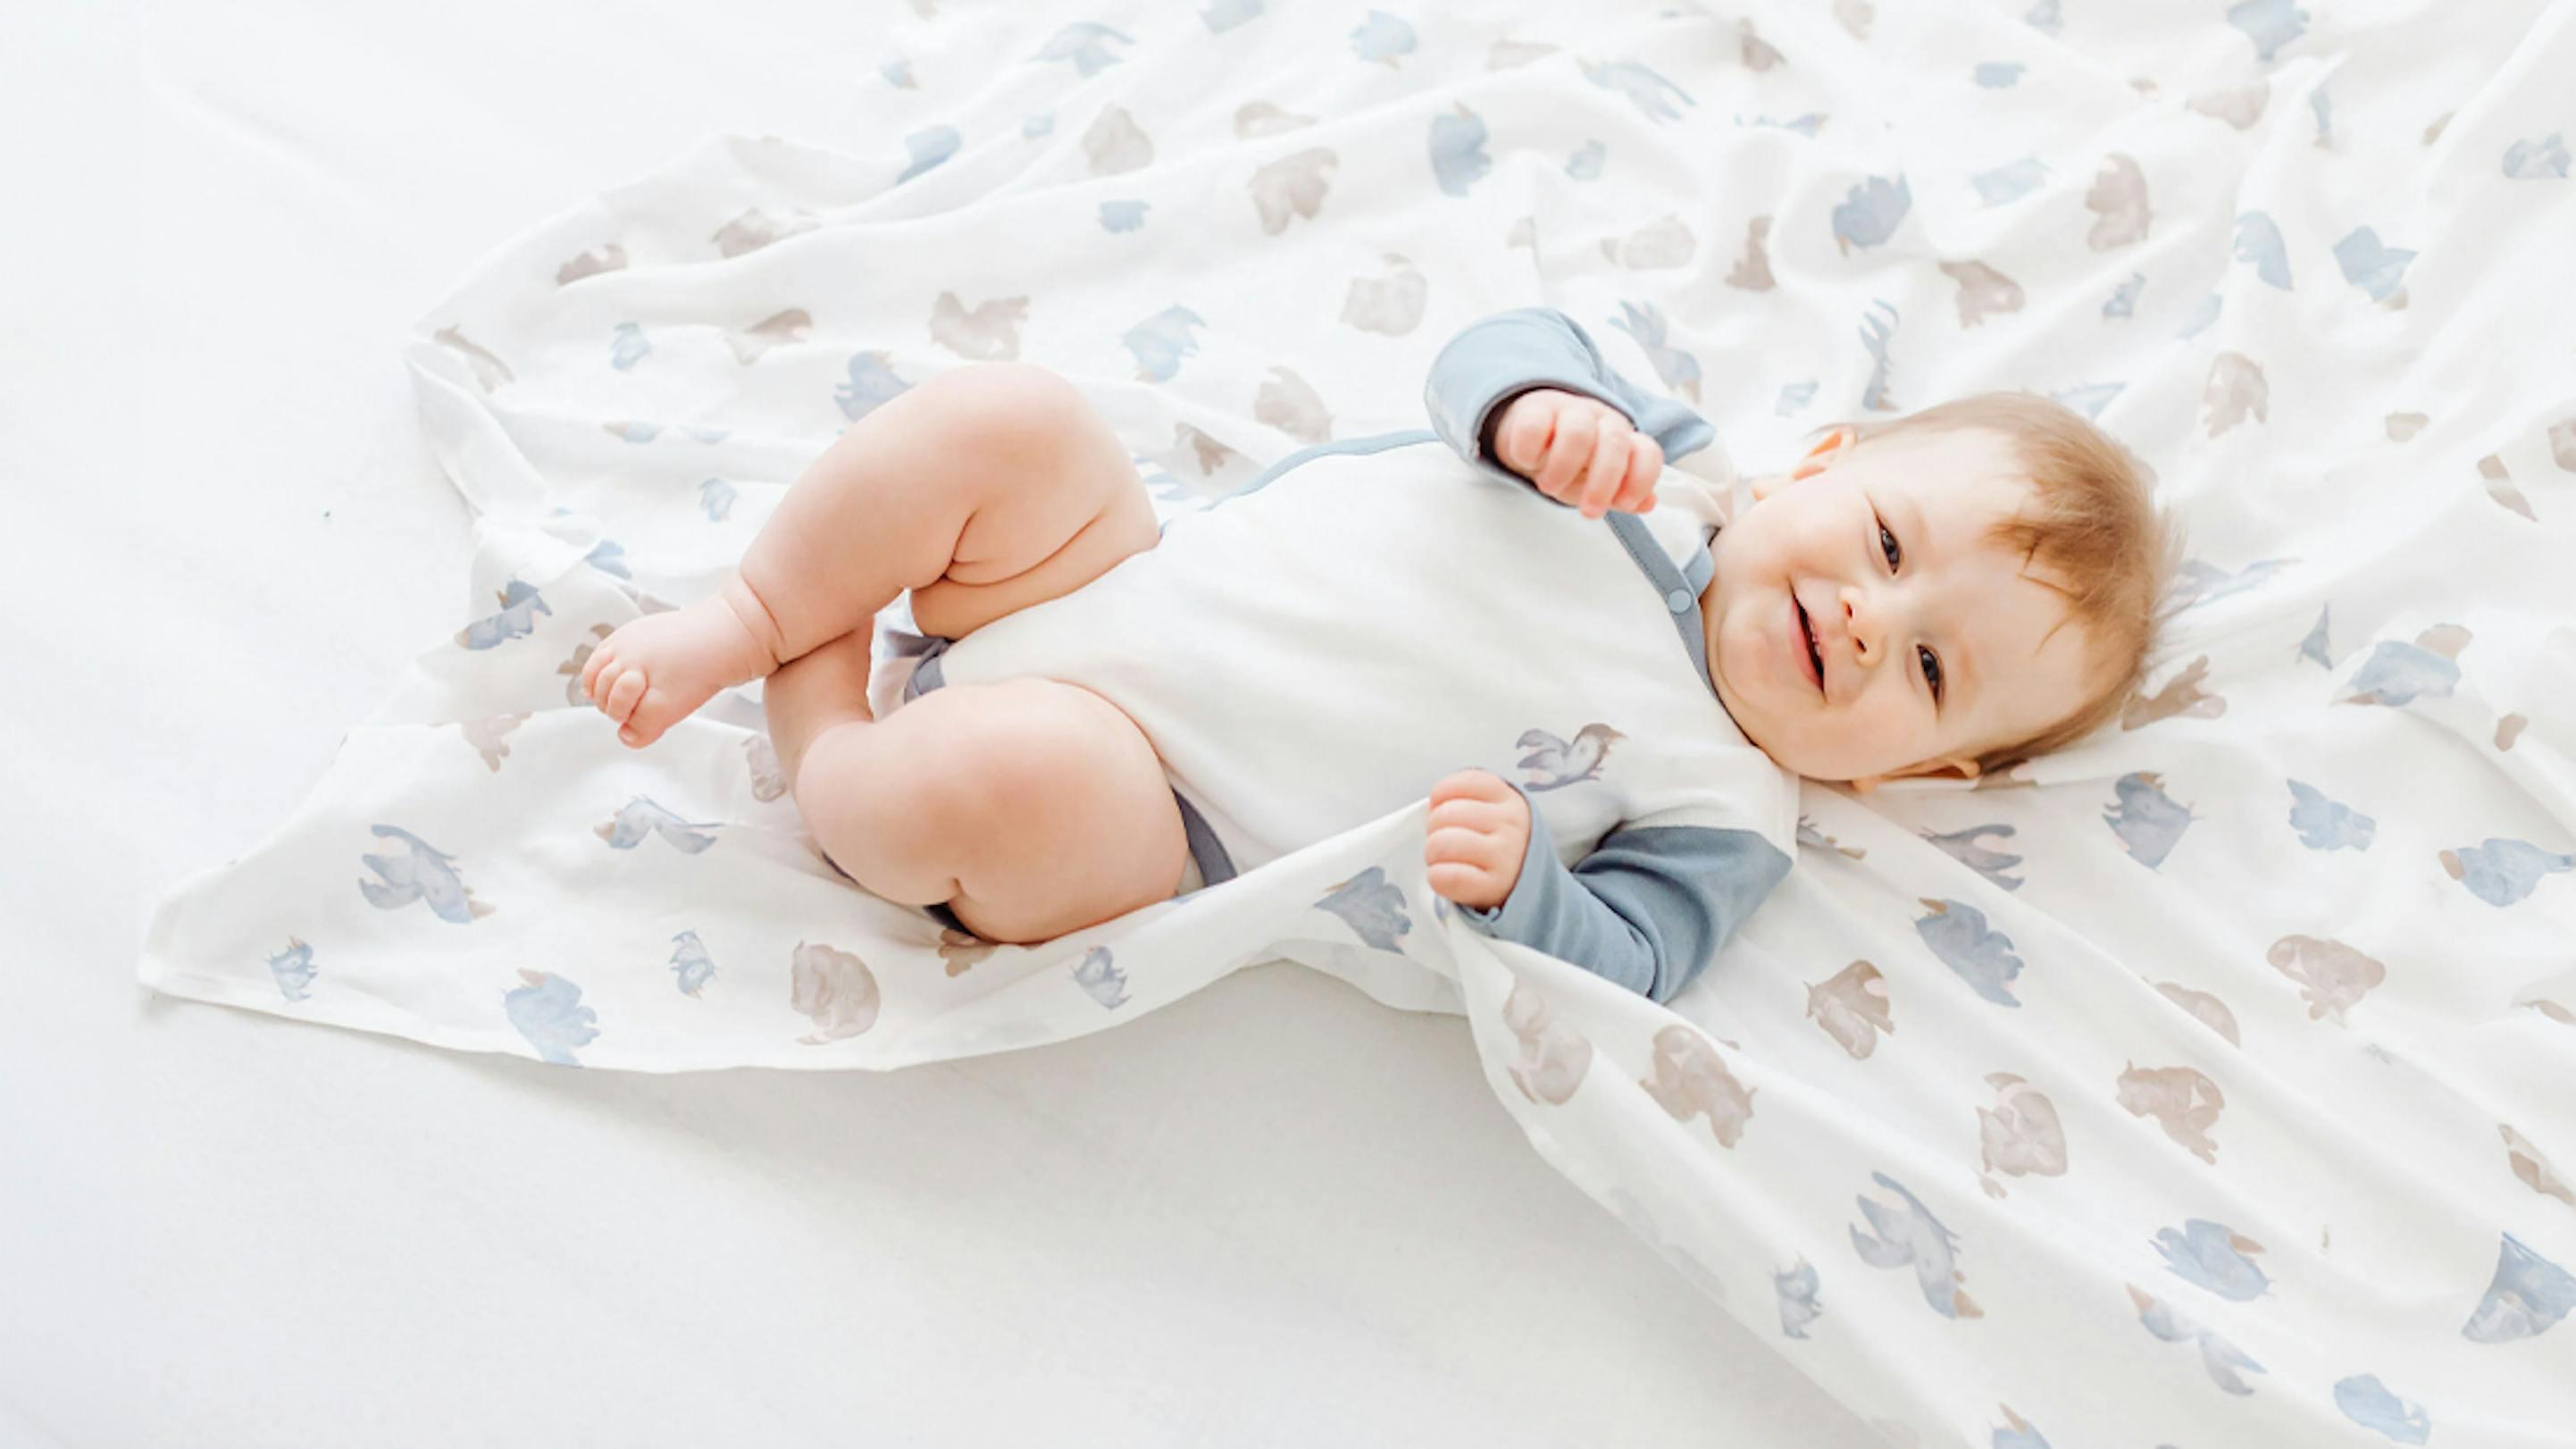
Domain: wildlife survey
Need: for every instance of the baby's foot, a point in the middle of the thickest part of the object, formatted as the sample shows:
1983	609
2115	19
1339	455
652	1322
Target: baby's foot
653	673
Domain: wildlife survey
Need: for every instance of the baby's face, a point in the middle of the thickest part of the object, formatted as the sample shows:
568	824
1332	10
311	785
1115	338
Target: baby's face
1949	611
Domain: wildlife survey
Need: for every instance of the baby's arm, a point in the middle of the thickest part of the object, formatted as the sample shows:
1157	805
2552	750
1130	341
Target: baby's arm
1497	358
1646	909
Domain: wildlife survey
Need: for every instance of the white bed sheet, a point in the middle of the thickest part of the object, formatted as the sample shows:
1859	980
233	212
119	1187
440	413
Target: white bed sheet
216	1229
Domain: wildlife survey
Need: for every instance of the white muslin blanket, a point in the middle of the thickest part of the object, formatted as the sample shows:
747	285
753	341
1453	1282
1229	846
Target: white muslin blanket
2212	1083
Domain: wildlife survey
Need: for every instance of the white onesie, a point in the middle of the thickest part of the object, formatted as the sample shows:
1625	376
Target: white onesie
1320	648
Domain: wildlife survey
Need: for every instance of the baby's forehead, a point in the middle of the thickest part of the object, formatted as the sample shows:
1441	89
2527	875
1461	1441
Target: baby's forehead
1964	479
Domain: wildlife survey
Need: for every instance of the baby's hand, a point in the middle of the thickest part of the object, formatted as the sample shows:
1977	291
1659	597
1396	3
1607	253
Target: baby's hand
1579	451
1473	842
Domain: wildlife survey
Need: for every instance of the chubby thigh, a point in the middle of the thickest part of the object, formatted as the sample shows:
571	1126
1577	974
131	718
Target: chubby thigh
1042	801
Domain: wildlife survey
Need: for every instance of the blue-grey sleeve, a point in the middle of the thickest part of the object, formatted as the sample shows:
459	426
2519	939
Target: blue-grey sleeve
1498	358
1647	908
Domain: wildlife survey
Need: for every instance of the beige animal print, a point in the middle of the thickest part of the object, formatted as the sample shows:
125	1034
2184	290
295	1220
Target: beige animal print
1554	1056
1691	1078
2182	695
2020	1135
2402	426
990	332
2508	729
1983	291
1285	402
2331	975
776	330
2500	487
1851	1005
1665	243
1292	186
2534	1169
1752	272
835	989
1115	143
1392	305
754	229
609	258
490	736
489	371
2236	388
2119	197
2240	107
2211	1011
1260	118
2183	1101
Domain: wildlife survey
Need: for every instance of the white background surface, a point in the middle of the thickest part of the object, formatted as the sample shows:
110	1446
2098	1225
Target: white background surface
1273	1213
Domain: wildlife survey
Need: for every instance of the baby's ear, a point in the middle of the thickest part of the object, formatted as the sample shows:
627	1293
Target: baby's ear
1822	455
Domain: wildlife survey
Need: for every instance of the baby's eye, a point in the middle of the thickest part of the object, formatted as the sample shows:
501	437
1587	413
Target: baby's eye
1931	670
1887	544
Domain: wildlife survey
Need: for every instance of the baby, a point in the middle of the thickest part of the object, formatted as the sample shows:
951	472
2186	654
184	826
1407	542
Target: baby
1897	603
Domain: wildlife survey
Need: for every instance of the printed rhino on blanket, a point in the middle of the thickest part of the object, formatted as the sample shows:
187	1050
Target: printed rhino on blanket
1690	1079
1554	763
426	874
1553	1056
833	988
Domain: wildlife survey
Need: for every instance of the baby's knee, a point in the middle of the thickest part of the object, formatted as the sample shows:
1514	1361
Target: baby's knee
1017	407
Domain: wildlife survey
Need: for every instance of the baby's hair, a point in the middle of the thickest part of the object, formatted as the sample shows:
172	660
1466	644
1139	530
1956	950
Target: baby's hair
2092	523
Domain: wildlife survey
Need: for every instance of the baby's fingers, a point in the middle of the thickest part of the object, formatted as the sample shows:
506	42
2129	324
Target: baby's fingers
1637	489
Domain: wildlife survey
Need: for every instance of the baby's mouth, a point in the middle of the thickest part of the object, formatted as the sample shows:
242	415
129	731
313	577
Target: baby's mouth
1806	631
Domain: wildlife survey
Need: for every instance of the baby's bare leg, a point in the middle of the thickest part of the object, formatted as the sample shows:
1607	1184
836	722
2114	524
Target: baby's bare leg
982	490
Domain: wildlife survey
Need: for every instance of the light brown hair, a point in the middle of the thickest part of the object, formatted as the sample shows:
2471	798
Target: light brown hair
2092	523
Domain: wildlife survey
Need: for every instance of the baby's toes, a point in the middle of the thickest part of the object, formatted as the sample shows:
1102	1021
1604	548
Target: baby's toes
623	695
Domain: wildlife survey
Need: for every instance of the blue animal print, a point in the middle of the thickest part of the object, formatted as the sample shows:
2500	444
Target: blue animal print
1875	330
1554	763
1645	322
2526	1299
628	346
691	963
1585	164
1458	158
293	969
1224	15
1372	907
1796	1290
426	874
1871	212
2124	300
520	605
642	818
929	147
1983	958
2270	24
2258	240
1098	974
2501	872
1795	396
1121	216
2367	264
2147	820
2213	1255
2536	160
1650	93
2011	181
2397	672
548	1012
871	386
1998	75
2315	646
1382	37
1086	44
1911	1235
609	557
2325	825
2220	1358
2367	1403
1963	847
2044	18
1160	342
